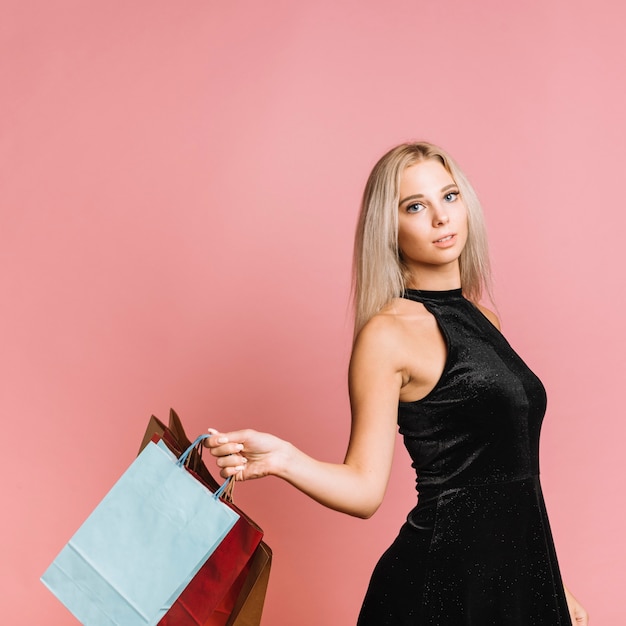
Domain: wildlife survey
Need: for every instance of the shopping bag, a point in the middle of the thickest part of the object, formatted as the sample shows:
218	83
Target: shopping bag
248	605
137	551
229	590
216	578
177	441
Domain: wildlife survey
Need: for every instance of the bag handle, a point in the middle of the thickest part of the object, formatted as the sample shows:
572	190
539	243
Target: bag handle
225	485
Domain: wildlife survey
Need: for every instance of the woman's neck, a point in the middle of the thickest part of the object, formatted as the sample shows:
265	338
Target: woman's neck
435	281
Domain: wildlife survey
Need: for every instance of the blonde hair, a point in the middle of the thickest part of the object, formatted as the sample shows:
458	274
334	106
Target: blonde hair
379	274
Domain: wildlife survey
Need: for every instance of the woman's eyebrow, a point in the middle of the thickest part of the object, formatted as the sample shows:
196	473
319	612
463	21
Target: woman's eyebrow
421	195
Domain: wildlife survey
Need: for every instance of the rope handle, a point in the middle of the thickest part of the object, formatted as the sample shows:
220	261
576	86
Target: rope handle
226	489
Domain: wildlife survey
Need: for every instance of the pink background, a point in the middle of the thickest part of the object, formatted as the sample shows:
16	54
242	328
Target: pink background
179	187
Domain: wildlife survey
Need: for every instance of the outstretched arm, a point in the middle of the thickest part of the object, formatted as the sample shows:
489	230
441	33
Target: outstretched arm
357	485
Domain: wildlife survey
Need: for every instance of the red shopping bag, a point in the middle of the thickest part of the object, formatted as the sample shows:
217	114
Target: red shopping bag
229	589
247	601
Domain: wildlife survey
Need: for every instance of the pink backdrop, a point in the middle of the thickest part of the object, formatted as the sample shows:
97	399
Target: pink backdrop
179	186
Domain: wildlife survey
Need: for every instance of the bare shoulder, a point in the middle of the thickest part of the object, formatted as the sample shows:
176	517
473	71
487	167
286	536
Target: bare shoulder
405	341
379	354
490	315
389	326
386	337
380	333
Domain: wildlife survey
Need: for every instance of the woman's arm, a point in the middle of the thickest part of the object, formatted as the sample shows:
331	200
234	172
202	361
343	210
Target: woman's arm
357	485
577	613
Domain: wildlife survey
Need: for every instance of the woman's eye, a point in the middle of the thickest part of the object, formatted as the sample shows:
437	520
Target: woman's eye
415	208
451	197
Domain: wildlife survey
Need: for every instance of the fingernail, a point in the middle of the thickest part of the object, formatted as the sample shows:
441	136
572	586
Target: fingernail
222	440
239	468
239	447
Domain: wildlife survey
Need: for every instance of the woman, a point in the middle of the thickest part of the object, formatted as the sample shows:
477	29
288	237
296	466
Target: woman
477	549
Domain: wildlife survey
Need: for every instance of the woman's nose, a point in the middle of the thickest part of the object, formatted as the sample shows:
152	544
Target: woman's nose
440	217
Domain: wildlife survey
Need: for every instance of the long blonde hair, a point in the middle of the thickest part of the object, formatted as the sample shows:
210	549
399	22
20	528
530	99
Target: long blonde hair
378	272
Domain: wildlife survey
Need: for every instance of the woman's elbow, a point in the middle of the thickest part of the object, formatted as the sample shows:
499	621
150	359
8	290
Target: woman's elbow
365	510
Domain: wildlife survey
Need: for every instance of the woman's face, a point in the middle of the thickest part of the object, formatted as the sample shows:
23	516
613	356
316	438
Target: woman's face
432	220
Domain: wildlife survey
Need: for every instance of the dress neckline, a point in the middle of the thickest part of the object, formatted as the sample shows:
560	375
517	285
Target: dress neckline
444	294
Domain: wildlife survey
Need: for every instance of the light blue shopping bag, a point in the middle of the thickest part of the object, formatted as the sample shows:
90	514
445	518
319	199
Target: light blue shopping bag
144	542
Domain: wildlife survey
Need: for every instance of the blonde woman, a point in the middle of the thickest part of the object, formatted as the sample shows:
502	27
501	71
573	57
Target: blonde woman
427	357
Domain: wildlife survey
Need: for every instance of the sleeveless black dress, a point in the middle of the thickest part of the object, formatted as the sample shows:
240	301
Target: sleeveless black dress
477	549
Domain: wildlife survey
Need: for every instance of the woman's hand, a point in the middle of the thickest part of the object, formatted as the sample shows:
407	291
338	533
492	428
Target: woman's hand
577	613
247	454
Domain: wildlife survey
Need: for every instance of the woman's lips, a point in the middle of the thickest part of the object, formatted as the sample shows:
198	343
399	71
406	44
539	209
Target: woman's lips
446	241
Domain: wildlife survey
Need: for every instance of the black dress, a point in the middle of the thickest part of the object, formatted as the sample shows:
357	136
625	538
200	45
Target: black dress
477	549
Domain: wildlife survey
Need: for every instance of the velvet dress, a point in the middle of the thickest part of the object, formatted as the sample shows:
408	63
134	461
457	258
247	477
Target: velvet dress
477	549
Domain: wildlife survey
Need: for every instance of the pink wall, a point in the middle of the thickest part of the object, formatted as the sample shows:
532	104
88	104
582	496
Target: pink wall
179	185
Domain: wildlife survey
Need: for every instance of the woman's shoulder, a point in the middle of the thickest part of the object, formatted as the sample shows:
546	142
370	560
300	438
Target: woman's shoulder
383	341
389	327
404	337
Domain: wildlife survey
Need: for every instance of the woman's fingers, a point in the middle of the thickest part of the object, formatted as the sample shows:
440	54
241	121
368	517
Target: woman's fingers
231	460
231	466
217	438
226	449
220	444
244	453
